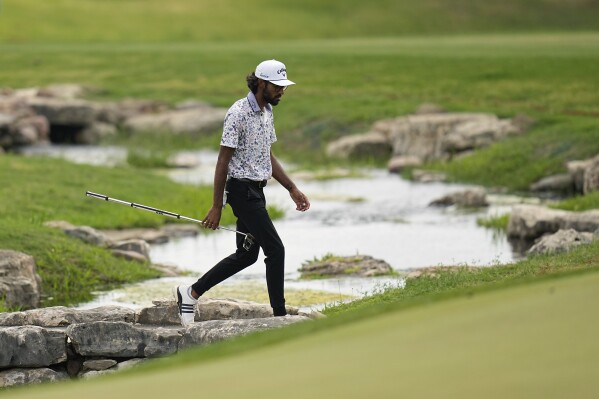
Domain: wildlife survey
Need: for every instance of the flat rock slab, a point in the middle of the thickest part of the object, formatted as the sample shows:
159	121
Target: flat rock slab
60	316
532	221
19	376
207	332
119	339
165	312
31	346
99	364
562	241
20	285
359	265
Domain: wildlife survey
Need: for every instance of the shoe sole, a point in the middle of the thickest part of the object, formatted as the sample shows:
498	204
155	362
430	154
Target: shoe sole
179	300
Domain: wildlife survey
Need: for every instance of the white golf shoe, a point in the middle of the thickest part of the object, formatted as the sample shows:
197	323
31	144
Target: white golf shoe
186	304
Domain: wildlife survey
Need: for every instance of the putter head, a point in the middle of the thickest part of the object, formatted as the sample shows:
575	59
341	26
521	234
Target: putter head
248	241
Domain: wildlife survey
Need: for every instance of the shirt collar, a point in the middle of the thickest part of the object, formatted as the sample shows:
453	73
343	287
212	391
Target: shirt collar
254	103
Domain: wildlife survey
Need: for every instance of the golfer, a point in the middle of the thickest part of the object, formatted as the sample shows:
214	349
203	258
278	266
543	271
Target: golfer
244	166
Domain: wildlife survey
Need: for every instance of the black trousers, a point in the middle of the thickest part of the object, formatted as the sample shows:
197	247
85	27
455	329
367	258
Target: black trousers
249	206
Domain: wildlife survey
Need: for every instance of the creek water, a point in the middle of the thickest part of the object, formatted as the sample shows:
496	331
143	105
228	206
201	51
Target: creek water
377	214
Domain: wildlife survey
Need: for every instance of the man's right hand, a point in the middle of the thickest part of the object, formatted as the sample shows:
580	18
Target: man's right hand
212	219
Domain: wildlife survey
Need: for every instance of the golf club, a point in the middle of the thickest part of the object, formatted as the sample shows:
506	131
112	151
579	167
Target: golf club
247	242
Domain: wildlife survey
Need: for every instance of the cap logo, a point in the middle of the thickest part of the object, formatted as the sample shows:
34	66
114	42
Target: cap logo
283	72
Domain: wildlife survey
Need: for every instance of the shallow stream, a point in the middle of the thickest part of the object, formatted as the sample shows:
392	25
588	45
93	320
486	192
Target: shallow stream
378	214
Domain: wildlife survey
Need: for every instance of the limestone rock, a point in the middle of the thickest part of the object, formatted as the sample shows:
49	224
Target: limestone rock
99	364
368	145
162	313
561	241
167	270
60	316
475	197
400	162
576	170
559	184
532	221
65	91
151	236
89	235
180	121
20	285
22	376
591	176
134	245
359	265
95	132
30	130
228	308
118	340
432	136
217	330
436	136
165	312
95	373
31	346
127	364
69	112
154	236
129	255
477	133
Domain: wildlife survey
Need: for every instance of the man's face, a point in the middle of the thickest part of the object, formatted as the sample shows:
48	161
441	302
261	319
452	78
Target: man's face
273	93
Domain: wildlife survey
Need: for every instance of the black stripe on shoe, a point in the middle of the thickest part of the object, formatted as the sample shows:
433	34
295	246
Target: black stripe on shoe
186	308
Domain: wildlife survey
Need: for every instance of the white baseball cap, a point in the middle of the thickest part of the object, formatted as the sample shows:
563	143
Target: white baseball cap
274	72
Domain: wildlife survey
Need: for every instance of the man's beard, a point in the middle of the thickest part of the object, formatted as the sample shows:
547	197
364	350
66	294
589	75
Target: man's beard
271	100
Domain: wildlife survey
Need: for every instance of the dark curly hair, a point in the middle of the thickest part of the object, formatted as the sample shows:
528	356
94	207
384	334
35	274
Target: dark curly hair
252	82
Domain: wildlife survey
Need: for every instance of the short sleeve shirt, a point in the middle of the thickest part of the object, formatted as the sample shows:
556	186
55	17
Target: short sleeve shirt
251	132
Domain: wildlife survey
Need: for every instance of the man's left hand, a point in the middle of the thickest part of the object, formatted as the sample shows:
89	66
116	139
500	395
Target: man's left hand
302	203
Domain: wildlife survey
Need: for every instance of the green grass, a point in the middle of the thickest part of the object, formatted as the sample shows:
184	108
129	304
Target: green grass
518	162
545	76
71	271
151	21
580	203
498	223
34	191
465	281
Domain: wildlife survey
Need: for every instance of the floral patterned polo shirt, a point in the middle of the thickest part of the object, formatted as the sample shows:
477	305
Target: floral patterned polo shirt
251	132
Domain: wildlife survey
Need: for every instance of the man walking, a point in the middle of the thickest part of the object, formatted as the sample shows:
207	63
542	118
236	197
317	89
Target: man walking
245	164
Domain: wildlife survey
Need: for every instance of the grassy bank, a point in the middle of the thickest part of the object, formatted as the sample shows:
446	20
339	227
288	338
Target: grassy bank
543	151
34	191
468	281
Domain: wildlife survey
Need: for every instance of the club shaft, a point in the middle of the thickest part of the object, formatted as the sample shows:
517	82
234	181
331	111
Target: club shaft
154	210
